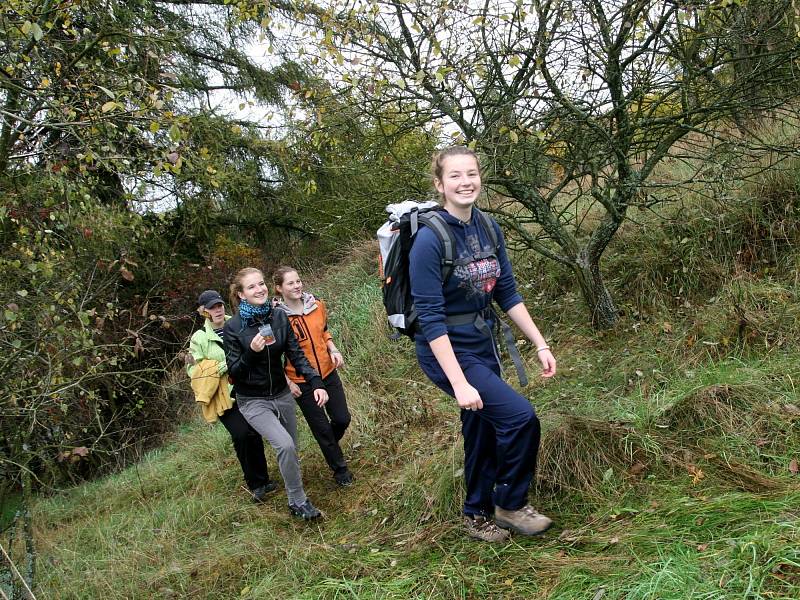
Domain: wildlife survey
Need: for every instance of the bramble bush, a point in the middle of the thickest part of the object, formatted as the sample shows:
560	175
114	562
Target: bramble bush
85	341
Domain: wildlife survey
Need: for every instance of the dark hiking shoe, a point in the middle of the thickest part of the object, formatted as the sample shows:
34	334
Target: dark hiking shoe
305	511
263	491
486	530
525	520
343	478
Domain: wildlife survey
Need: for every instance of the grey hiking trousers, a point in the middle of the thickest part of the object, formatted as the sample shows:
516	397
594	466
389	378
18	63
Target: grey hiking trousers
274	418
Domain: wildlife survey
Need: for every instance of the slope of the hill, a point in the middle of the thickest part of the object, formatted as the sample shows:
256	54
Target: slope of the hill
669	459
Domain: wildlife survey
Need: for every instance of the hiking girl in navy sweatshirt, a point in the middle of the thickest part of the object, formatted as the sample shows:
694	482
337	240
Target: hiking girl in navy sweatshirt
500	428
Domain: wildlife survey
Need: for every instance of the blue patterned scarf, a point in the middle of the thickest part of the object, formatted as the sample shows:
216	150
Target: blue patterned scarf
248	312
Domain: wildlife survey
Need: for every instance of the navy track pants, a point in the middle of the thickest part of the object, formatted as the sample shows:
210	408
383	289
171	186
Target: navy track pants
501	441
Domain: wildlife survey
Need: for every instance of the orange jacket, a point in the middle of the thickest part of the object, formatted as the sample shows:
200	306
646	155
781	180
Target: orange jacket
311	331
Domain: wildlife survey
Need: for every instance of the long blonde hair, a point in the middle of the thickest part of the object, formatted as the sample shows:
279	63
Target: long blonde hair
236	285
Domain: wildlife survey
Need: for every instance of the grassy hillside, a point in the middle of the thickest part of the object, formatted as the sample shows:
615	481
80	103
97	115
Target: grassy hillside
668	460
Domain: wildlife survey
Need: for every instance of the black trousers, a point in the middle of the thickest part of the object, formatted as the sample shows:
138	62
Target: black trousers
249	447
328	423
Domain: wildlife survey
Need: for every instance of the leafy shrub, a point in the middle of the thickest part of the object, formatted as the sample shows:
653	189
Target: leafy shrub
84	341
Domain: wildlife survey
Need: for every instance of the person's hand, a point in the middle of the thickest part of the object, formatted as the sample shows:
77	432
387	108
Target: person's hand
468	397
337	358
548	362
321	397
258	343
294	389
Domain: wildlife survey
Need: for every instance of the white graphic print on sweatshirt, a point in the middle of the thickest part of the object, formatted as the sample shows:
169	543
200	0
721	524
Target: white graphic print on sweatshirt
480	276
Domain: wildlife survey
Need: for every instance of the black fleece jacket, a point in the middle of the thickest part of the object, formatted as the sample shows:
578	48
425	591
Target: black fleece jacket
261	373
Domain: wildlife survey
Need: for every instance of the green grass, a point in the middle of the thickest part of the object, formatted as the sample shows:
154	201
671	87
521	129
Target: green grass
178	524
666	457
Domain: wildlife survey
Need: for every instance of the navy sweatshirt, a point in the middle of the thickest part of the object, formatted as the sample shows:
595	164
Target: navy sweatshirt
470	288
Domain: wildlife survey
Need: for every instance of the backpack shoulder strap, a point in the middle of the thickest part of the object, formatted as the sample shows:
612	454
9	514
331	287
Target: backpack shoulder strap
488	226
436	222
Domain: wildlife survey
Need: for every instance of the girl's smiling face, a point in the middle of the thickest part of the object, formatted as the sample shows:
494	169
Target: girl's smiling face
254	290
460	182
292	286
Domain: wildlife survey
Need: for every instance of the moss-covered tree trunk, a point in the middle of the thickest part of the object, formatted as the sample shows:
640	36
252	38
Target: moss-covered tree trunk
602	309
581	256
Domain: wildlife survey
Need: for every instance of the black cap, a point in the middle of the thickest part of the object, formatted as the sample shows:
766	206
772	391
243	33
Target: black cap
209	298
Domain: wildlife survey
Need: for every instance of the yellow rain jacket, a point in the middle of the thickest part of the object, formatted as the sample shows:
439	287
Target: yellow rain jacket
211	389
209	373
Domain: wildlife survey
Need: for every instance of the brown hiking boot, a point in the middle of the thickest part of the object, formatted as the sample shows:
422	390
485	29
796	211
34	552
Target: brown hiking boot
481	528
525	520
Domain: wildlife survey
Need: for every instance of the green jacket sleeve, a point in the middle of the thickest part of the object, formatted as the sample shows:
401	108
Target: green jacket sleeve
196	349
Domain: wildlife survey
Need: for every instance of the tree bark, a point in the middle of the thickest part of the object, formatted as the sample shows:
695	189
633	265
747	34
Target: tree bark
7	131
583	260
603	311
